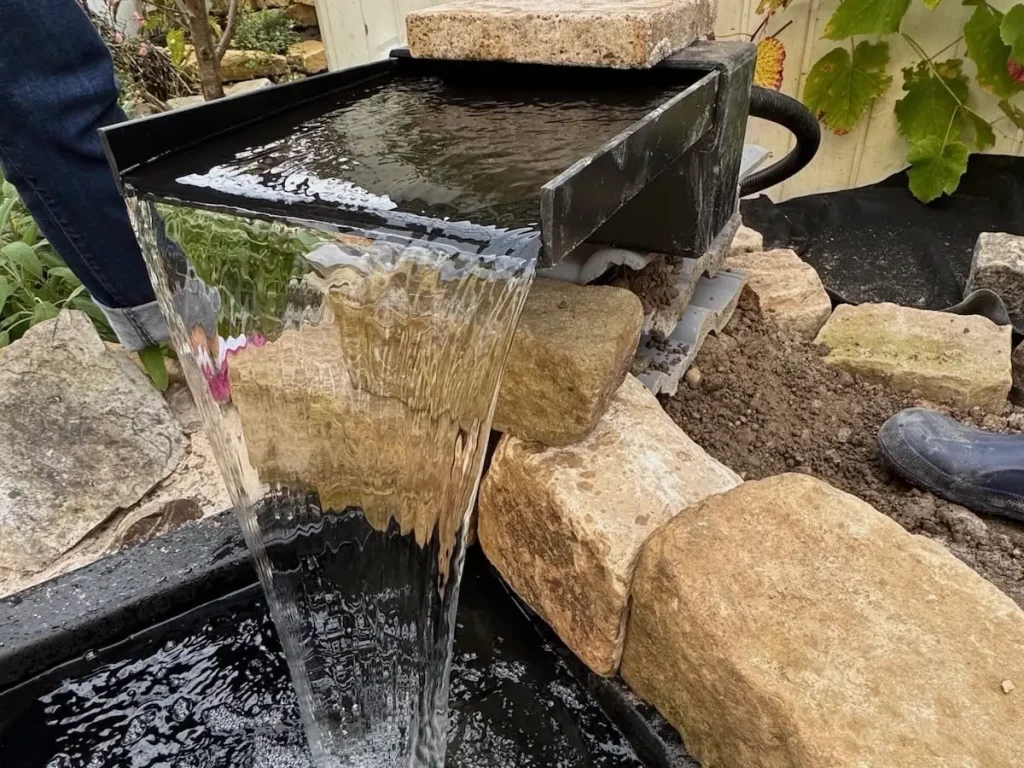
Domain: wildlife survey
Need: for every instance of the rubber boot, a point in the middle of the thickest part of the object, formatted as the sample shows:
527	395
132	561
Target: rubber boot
983	471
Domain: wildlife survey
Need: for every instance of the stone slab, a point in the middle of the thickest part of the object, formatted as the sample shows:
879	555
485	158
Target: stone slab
788	624
604	33
564	526
960	360
998	265
83	434
784	288
571	350
309	56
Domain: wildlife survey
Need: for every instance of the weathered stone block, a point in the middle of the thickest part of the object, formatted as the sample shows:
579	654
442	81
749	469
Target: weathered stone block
960	360
569	355
309	56
998	265
564	526
785	288
786	624
746	240
303	14
246	65
606	33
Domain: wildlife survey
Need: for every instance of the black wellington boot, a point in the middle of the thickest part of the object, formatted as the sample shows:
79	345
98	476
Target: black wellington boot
980	470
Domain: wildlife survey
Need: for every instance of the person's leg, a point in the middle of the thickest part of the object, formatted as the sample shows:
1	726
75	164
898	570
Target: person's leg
56	90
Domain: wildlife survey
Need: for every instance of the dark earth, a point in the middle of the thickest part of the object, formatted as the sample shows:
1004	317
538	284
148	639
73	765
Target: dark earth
765	402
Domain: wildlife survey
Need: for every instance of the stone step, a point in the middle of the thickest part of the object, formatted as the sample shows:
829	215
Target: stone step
788	624
603	33
661	364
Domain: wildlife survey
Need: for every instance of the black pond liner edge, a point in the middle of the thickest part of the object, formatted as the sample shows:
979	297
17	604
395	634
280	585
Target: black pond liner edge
106	603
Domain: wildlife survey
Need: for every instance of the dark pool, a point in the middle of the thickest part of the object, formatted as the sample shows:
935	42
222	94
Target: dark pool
210	690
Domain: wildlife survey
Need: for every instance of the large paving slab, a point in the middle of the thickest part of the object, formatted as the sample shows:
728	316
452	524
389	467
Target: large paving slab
786	624
604	33
962	360
571	350
83	434
564	526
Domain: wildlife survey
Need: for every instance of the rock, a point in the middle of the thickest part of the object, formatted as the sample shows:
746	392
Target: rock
1017	366
302	14
789	624
1008	686
309	56
606	33
960	360
569	354
183	102
564	526
998	265
785	288
746	240
694	377
246	65
83	434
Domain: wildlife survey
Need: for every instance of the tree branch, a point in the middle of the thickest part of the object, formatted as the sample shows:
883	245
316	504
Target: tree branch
229	29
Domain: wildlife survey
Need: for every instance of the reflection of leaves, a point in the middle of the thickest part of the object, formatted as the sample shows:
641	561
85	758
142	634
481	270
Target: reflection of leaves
936	167
1011	30
1016	114
840	88
771	60
866	17
990	54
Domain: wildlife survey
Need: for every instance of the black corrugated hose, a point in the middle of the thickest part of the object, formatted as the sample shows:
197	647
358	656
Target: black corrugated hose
790	114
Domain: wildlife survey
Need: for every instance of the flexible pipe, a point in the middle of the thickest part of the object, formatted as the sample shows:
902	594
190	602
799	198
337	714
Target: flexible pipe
782	110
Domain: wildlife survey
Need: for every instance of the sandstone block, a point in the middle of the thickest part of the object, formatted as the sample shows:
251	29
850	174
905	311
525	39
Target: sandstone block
234	89
302	14
246	65
998	265
607	33
960	360
786	624
564	526
309	55
83	434
785	288
569	355
747	240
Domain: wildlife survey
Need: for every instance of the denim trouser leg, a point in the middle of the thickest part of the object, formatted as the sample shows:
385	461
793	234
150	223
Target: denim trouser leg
56	90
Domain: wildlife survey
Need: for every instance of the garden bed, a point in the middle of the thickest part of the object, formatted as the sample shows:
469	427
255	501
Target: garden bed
765	403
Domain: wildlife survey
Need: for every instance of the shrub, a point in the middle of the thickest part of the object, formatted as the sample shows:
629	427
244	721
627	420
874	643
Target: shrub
269	30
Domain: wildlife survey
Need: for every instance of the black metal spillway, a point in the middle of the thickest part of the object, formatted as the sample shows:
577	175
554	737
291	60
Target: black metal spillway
638	159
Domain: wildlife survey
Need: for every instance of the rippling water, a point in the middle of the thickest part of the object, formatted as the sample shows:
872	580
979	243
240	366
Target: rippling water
215	693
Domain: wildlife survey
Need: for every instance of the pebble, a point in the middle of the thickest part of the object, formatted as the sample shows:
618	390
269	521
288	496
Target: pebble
1007	686
693	377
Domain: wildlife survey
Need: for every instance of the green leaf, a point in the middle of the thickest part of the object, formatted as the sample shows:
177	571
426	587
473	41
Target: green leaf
22	255
1015	113
931	106
936	168
44	310
932	4
866	17
990	54
839	88
153	361
984	136
5	292
1012	31
5	338
66	275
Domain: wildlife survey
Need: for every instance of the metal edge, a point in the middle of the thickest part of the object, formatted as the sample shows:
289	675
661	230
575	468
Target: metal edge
578	201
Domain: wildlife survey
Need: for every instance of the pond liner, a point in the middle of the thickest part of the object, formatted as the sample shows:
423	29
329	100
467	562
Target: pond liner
665	180
55	630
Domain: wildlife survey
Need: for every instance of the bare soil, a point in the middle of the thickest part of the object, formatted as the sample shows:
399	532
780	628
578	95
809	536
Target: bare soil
764	402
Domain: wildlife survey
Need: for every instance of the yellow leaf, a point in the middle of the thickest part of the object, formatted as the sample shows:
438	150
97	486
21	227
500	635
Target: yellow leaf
771	60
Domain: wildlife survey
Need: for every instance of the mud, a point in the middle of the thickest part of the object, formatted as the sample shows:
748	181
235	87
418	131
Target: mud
766	403
655	284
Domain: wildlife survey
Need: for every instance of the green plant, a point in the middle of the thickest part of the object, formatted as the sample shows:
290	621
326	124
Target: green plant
250	261
269	30
34	283
938	114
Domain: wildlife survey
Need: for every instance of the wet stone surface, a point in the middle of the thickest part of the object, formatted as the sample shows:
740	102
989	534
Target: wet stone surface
213	692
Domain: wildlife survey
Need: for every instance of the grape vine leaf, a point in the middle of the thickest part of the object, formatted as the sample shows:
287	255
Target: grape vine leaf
770	65
1016	114
866	17
984	136
931	106
990	54
1011	30
936	167
932	4
839	88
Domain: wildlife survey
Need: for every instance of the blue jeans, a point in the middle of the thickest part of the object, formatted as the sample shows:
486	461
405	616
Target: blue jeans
56	90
